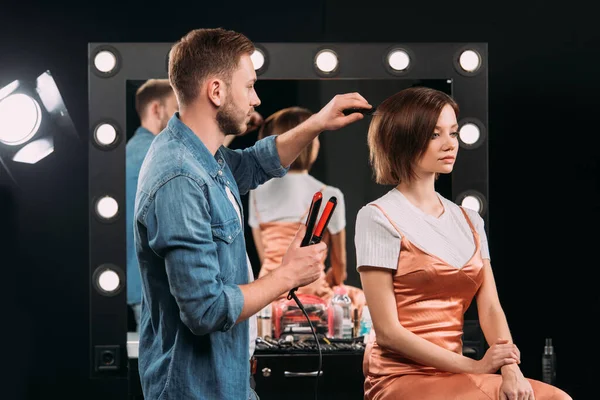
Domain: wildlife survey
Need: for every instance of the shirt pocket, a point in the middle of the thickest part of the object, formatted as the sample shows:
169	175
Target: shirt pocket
224	234
226	231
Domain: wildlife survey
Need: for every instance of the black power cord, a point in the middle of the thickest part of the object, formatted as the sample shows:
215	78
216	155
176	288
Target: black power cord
292	294
311	238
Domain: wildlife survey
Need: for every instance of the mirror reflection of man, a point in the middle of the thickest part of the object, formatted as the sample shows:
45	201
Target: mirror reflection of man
155	103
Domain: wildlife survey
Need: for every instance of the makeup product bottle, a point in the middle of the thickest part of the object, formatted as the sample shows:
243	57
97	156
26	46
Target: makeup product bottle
342	319
365	324
549	363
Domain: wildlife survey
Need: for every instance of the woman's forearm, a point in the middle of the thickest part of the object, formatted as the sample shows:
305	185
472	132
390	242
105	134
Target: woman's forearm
401	340
494	325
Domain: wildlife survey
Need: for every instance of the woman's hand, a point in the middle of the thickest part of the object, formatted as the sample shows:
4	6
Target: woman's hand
514	385
500	353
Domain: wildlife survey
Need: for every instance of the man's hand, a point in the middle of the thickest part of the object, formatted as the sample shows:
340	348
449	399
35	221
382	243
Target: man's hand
291	143
302	265
331	117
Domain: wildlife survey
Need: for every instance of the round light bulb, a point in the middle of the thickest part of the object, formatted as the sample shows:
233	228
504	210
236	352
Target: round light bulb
20	118
105	61
399	60
105	134
109	280
326	61
469	133
471	202
107	207
469	60
258	59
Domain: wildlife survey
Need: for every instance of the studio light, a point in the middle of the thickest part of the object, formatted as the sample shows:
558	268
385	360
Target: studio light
20	118
33	152
32	116
107	208
8	89
326	61
398	60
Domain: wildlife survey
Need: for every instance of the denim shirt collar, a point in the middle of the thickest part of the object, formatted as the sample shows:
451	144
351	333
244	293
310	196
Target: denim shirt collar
141	131
195	145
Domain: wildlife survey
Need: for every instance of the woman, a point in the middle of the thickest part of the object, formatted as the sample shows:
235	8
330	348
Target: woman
422	259
278	208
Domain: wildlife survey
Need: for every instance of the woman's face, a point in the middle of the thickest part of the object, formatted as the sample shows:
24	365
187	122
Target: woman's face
443	145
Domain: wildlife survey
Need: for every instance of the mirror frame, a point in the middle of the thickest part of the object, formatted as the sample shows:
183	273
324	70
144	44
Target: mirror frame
290	61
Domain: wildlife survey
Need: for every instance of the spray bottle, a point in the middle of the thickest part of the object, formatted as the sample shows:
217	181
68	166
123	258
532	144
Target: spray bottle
549	363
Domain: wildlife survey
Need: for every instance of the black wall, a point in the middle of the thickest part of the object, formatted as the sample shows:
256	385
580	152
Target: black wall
543	164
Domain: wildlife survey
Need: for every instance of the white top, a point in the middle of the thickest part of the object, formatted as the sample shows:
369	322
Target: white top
448	237
288	198
252	319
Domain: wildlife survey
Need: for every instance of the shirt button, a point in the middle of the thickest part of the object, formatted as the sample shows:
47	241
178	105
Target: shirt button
229	237
220	172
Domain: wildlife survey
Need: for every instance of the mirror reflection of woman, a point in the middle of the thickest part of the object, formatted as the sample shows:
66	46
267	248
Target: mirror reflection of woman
422	260
278	208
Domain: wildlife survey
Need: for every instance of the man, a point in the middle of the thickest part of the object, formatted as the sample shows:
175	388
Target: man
155	103
198	291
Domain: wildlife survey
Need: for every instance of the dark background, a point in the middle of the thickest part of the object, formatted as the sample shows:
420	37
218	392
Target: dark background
543	140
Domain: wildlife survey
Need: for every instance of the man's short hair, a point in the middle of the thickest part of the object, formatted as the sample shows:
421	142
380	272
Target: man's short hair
202	53
151	90
401	129
284	120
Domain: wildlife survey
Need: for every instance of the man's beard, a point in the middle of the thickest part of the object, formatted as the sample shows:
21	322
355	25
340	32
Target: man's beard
226	119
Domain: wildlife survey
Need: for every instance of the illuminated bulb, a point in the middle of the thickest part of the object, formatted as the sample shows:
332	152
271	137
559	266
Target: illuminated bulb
20	118
258	59
107	207
105	134
105	61
34	151
109	280
469	60
471	202
398	60
326	61
469	133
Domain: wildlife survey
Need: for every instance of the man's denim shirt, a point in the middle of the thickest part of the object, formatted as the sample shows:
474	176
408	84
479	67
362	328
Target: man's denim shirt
192	257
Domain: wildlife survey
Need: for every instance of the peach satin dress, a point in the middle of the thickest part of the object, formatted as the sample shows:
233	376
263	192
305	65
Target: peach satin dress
432	297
